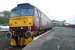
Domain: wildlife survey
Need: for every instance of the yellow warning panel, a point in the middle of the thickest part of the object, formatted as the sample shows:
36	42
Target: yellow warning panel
21	21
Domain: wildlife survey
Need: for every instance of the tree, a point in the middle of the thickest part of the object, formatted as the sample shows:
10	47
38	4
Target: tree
6	14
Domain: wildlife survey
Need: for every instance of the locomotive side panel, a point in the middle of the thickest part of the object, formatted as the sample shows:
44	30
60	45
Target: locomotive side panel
41	21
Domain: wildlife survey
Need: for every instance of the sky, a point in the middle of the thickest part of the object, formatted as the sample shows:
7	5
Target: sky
55	9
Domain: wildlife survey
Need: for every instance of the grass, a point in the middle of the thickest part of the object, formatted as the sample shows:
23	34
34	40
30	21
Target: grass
3	21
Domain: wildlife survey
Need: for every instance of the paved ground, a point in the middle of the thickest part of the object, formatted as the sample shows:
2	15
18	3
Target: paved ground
60	38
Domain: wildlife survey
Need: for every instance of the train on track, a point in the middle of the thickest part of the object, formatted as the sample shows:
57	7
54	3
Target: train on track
25	22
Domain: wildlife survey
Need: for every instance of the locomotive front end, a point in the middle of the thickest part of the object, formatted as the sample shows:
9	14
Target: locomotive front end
20	23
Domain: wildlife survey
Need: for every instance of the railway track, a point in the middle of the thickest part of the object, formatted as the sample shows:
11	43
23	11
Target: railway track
4	43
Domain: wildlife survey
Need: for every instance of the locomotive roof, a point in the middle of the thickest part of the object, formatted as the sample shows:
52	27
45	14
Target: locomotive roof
23	6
